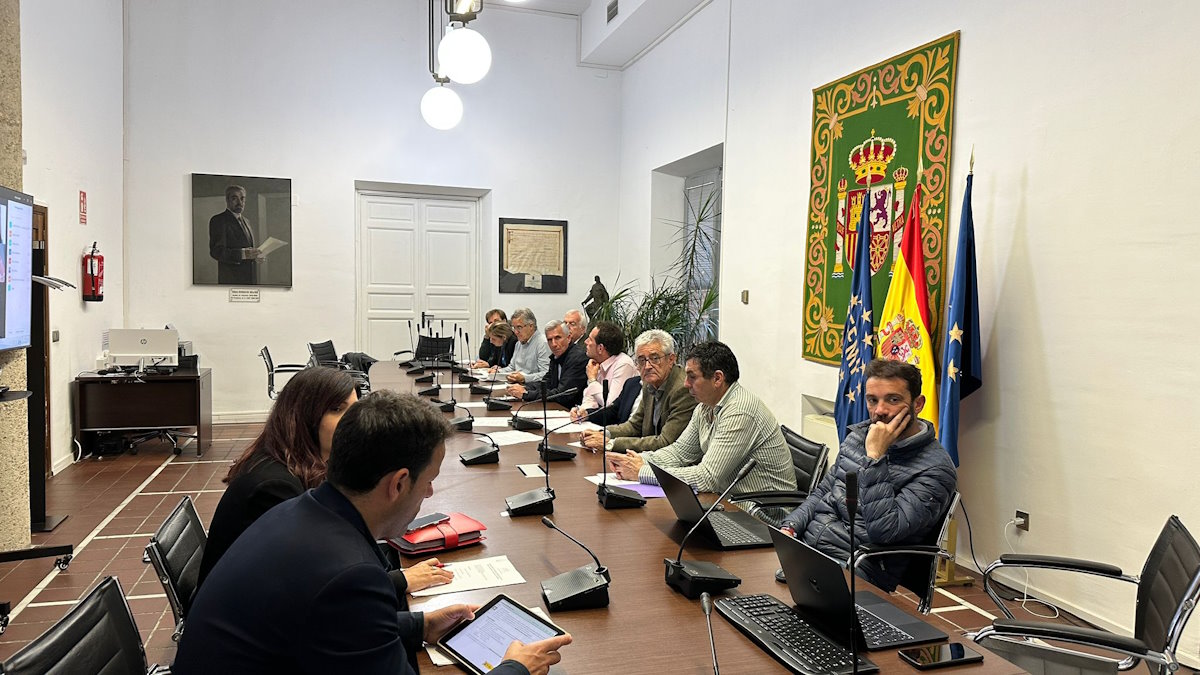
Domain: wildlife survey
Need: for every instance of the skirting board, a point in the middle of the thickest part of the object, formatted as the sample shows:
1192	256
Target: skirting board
253	417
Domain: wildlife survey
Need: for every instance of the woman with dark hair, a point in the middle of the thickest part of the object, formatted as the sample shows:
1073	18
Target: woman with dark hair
286	459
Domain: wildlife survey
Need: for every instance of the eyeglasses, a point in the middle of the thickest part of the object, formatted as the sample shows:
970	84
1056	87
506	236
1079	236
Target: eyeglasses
641	361
519	326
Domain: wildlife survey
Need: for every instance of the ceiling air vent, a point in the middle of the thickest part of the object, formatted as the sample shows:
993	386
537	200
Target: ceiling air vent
612	10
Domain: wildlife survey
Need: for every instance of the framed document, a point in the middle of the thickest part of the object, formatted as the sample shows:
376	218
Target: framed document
533	256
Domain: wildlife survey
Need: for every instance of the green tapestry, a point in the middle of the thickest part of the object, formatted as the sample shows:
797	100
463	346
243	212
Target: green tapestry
871	131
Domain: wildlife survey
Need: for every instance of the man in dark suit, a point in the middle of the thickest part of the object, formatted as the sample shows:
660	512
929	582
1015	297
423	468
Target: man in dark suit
666	405
305	589
568	370
231	242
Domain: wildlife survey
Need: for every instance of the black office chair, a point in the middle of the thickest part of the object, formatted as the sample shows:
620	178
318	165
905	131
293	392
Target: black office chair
175	550
323	354
919	578
1167	591
810	461
273	369
97	636
430	350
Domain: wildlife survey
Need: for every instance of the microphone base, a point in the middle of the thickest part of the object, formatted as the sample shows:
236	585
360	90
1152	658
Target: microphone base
465	378
425	379
613	497
693	577
480	389
581	588
554	453
432	391
539	502
494	405
444	406
416	369
455	368
484	454
524	423
462	423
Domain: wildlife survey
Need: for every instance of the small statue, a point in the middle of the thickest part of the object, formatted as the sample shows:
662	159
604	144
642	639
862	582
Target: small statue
596	297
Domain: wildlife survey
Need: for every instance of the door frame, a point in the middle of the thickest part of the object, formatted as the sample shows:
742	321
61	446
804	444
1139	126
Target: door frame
406	191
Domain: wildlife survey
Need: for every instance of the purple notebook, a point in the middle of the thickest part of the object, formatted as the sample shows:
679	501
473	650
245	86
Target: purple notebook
647	491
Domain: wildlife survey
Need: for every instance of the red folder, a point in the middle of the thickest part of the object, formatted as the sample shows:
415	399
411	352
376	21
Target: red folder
461	530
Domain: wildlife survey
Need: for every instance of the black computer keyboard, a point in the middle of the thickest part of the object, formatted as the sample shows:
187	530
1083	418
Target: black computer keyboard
877	632
731	532
775	627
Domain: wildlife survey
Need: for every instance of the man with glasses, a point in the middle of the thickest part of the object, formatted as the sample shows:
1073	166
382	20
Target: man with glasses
531	357
666	406
730	426
578	326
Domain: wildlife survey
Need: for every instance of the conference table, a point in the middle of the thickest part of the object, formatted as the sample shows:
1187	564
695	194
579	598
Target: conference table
647	627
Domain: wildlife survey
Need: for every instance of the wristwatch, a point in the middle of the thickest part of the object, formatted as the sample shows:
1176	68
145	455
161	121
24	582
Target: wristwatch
609	445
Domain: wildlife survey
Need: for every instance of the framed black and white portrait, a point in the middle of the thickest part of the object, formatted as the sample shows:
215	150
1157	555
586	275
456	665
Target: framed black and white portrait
241	230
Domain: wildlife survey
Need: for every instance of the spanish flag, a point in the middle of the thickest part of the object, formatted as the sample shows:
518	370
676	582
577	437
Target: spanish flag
904	325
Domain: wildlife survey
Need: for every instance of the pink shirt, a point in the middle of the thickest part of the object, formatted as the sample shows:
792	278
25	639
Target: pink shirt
615	369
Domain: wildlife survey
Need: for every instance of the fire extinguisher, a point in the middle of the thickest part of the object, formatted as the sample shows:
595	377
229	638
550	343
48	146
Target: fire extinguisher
93	275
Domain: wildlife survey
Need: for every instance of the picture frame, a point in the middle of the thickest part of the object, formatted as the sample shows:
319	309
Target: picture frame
242	241
533	256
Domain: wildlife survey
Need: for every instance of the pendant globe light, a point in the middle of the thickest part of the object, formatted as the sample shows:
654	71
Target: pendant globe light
441	107
464	55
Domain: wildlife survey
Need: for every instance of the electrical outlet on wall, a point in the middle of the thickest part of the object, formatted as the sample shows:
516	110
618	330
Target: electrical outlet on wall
1022	520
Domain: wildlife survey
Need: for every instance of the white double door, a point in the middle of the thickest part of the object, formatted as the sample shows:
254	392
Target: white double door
417	258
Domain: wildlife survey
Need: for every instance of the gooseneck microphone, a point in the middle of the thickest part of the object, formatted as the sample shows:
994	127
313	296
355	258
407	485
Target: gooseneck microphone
581	588
536	502
706	605
465	377
852	512
481	454
612	496
490	399
693	577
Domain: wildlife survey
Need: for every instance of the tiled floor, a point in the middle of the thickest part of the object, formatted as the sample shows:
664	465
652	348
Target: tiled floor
116	503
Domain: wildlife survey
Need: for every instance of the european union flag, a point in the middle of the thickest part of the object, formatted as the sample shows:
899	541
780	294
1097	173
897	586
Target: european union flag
962	362
858	336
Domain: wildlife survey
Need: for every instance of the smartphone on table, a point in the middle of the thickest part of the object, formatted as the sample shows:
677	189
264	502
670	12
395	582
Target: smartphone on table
940	656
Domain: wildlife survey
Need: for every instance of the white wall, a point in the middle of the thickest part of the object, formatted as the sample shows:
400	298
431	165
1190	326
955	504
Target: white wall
672	106
71	78
1085	232
326	94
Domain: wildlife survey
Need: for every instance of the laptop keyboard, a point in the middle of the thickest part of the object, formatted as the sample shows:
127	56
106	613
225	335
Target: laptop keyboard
778	629
731	532
877	632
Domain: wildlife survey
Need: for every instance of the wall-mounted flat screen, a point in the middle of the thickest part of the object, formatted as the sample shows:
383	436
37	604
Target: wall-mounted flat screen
16	268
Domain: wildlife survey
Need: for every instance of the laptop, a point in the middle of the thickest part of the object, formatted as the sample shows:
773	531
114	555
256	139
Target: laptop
729	530
818	587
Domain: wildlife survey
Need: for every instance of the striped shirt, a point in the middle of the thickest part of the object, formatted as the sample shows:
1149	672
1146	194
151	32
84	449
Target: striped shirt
718	441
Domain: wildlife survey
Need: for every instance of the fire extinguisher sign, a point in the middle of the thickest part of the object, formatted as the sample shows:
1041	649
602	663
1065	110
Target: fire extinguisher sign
82	207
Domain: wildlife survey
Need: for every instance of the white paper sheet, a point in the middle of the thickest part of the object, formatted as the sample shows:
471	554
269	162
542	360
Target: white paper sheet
470	575
531	470
536	414
612	480
513	437
492	422
271	245
575	428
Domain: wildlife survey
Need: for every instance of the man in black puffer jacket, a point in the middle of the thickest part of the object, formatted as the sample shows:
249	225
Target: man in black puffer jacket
906	479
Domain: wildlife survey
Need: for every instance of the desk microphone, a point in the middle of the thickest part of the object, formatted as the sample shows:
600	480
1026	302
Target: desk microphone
693	577
612	496
852	511
431	391
706	605
481	454
465	376
489	399
524	423
582	588
537	502
412	343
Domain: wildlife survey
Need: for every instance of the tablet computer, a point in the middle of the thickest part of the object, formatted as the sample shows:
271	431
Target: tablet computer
479	645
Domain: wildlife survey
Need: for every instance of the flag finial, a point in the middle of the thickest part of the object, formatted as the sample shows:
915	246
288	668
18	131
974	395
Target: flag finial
971	166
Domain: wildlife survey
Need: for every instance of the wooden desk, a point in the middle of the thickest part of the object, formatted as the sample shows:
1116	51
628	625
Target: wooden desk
647	627
124	403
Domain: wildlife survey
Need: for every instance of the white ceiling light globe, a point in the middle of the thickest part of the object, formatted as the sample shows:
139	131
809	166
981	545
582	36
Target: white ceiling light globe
441	108
464	56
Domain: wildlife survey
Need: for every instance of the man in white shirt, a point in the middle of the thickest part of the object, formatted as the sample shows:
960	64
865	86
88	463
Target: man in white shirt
609	363
531	358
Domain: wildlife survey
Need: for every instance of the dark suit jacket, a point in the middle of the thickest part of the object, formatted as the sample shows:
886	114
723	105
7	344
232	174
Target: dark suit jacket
639	433
497	356
265	485
226	238
303	590
569	371
624	406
